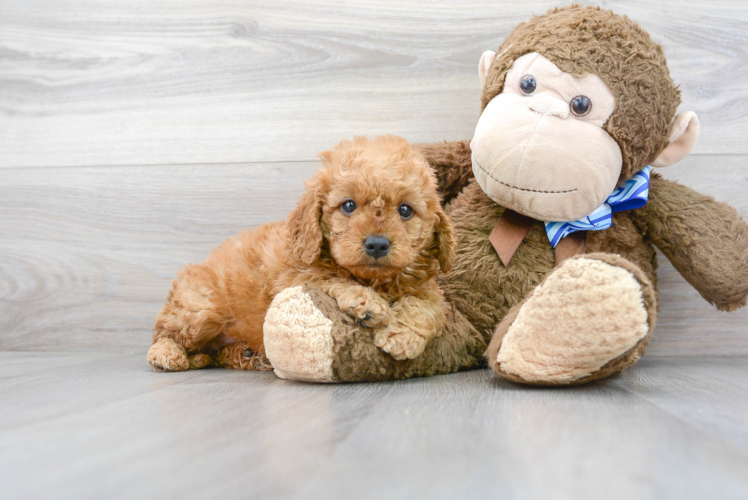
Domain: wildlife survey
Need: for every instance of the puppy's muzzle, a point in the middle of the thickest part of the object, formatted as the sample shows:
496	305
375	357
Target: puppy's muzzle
377	246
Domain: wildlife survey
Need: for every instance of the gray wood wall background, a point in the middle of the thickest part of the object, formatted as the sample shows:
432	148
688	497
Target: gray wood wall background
135	136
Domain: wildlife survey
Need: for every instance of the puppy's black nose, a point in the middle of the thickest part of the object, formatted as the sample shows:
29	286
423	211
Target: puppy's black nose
377	246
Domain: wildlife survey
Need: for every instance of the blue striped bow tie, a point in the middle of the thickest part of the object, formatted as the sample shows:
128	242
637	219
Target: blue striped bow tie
633	194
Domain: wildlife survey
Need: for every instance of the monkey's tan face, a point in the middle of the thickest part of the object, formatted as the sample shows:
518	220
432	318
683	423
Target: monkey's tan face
539	147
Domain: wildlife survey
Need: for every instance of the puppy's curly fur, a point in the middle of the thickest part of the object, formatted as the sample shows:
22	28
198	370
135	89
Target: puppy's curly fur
215	311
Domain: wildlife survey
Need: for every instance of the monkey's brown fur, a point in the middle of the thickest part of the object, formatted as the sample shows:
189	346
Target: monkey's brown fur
706	241
215	310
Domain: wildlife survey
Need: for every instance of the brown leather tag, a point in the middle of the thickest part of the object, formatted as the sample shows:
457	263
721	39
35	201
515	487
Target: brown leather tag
508	234
572	245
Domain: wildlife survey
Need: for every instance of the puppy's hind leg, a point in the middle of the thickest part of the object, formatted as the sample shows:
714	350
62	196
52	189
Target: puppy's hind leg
240	356
194	314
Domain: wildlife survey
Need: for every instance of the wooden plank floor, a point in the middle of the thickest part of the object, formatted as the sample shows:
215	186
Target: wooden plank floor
92	425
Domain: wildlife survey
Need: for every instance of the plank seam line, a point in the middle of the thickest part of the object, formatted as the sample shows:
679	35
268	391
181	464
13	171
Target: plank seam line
244	163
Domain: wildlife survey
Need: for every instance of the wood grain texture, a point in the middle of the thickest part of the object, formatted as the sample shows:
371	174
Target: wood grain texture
84	82
87	254
92	425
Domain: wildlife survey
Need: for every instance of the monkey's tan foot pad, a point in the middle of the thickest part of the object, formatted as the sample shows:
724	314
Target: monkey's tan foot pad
165	355
308	338
298	337
590	318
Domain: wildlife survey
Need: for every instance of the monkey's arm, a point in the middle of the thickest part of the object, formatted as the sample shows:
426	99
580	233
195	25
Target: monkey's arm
452	163
707	241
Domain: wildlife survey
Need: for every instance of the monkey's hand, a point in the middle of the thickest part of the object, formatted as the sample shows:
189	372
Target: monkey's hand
452	162
707	241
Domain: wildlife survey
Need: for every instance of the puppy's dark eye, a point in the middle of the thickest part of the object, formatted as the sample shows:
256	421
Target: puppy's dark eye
405	211
528	85
580	105
348	207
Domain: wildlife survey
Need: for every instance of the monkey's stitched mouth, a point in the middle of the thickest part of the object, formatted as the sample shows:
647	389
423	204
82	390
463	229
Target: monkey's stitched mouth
523	189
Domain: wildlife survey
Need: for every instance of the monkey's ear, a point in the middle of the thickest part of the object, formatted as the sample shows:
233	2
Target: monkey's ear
486	61
681	141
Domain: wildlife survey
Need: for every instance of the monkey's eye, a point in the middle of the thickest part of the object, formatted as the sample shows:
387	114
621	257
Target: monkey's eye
580	105
528	85
348	207
405	211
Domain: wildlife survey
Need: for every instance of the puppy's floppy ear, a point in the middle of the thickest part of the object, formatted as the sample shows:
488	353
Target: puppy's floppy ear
446	242
304	221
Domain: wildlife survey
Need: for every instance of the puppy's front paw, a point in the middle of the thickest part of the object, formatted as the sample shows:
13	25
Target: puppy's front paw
400	343
365	305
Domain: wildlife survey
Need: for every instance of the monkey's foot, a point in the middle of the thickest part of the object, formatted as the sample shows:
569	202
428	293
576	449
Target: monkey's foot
298	337
590	318
165	355
308	338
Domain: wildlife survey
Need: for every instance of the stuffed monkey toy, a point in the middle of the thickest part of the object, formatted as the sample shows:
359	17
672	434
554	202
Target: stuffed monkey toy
557	208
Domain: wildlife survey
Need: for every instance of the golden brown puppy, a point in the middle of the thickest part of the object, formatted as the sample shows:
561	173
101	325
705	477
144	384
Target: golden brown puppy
369	231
